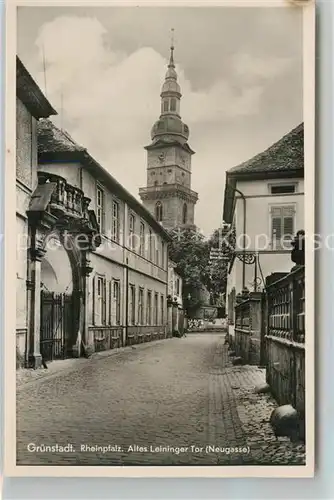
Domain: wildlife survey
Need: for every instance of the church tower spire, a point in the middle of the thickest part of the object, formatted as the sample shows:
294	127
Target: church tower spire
168	195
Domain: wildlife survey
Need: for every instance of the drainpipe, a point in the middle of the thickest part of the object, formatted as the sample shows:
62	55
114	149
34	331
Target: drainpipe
244	235
126	300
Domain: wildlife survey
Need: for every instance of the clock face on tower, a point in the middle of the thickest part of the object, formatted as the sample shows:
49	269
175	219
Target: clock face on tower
162	156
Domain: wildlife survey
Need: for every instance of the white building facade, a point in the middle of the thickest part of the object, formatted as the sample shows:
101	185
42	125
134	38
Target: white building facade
264	204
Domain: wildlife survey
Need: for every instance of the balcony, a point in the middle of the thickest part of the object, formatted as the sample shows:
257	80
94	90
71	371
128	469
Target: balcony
152	192
65	199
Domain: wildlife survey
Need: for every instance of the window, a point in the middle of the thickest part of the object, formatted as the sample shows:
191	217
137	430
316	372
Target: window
157	255
132	305
150	245
149	308
100	216
283	189
115	221
114	303
100	302
184	214
156	309
163	255
158	211
177	286
165	106
142	239
162	309
173	104
141	306
131	231
282	223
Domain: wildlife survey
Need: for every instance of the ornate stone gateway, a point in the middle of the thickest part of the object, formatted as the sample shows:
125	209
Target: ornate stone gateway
63	232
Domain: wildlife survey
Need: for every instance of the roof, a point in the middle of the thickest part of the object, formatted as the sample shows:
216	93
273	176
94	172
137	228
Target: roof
284	159
57	145
285	155
30	94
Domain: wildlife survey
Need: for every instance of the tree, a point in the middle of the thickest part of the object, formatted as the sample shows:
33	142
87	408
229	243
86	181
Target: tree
190	252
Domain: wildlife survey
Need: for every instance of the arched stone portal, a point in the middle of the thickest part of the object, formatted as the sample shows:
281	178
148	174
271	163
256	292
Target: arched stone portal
60	298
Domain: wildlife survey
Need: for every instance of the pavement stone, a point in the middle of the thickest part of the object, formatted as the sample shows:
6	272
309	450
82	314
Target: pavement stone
177	392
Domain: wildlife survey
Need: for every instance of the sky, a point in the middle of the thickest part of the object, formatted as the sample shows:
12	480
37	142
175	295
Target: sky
240	71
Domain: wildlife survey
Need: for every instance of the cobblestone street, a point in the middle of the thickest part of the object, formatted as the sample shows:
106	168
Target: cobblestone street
177	393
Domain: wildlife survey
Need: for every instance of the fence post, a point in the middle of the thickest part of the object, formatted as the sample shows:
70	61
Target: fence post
263	329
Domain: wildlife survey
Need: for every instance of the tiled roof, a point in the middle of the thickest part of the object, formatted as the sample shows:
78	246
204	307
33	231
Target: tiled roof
287	154
55	143
53	140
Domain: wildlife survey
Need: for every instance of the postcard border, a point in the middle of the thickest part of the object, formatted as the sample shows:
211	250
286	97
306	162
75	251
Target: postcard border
13	470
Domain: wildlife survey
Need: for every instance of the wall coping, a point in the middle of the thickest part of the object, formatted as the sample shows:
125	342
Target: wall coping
298	271
248	332
286	342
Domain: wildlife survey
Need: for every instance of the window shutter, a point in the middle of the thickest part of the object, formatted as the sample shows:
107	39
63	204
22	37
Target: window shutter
98	292
104	302
288	221
288	228
276	228
130	305
118	303
110	298
276	223
93	301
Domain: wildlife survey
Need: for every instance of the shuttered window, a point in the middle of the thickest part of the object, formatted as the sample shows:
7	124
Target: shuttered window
132	305
115	221
114	303
142	239
110	304
162	309
163	255
149	308
100	209
132	221
141	306
282	223
150	245
117	301
100	301
156	309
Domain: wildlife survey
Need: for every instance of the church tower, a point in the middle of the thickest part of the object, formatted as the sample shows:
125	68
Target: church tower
168	195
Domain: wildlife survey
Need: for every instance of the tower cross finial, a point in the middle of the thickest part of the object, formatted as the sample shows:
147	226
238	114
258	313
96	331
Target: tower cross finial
171	59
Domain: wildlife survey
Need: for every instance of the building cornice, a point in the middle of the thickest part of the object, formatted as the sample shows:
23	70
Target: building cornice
162	144
168	191
28	92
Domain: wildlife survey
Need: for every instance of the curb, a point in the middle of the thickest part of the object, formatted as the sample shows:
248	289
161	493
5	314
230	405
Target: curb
78	362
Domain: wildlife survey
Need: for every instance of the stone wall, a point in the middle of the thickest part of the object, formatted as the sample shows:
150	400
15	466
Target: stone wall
286	372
